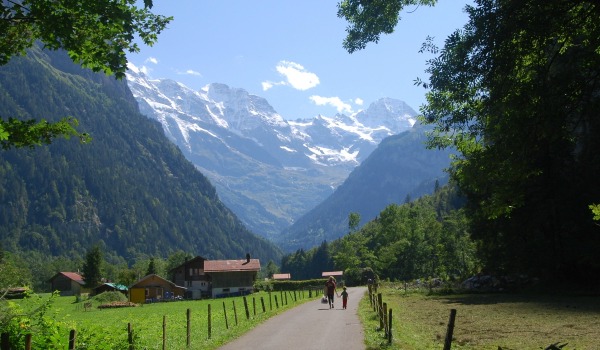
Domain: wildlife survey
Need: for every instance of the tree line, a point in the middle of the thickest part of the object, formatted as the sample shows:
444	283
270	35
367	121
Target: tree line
426	238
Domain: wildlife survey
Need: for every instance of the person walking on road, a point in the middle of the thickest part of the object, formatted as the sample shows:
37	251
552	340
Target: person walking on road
344	298
330	289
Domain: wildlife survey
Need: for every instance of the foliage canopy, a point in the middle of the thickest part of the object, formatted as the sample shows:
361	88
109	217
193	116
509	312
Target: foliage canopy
517	92
96	34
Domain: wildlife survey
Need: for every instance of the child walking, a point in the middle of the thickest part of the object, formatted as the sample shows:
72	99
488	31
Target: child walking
344	298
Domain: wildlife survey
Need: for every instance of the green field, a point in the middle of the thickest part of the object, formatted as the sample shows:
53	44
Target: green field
483	321
107	328
486	321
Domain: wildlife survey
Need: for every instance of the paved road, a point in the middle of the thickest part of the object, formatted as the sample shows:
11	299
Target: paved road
309	326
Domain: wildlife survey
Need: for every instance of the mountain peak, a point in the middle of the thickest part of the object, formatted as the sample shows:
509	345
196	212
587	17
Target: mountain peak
240	142
392	113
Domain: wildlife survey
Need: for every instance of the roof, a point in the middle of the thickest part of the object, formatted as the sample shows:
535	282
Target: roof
154	276
231	265
157	277
188	262
70	275
332	273
282	276
116	286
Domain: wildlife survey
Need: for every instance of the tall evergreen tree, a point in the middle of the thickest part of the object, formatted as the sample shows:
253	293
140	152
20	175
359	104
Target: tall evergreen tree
151	268
92	267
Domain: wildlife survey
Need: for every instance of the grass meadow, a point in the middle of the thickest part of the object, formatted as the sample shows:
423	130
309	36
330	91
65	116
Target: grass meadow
485	321
228	320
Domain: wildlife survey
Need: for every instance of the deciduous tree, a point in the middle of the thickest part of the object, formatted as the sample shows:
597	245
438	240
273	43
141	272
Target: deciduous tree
517	92
97	34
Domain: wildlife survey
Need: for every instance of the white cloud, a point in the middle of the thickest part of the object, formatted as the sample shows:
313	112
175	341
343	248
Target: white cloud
266	85
295	76
192	72
151	60
332	101
358	101
189	72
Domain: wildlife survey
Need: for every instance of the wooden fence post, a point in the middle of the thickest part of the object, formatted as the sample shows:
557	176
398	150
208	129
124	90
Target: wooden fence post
246	307
450	330
254	305
188	325
374	301
129	336
4	342
235	312
390	327
72	339
225	315
209	322
262	301
164	336
385	324
276	302
379	309
28	342
270	302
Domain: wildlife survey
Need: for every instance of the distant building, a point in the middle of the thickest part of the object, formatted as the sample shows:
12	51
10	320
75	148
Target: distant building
111	287
282	276
153	288
191	275
338	275
232	277
68	283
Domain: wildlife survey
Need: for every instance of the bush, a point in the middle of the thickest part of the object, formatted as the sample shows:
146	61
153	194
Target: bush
108	297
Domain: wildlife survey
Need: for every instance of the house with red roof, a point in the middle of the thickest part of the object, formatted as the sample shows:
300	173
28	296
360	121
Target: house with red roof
191	275
232	277
68	283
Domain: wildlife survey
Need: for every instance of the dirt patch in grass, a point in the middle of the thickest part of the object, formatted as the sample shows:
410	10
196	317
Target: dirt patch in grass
490	321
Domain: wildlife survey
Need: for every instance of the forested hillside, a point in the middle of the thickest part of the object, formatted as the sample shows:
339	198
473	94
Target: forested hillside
428	237
129	189
399	169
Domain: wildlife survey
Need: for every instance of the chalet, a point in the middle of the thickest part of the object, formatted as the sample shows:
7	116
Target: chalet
232	277
191	275
154	288
282	276
110	287
68	283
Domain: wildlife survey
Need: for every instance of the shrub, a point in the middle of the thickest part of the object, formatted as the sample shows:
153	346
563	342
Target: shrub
108	297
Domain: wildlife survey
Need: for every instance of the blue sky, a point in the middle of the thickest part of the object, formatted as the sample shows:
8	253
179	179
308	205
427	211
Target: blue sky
290	52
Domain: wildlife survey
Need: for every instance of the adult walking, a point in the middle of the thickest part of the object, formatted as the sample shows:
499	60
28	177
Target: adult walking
330	289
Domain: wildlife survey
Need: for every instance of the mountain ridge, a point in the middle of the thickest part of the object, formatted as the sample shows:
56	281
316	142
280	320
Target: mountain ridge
130	188
276	169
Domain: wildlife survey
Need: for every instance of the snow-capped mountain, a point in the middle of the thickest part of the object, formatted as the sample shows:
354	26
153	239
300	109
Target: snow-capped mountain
267	169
